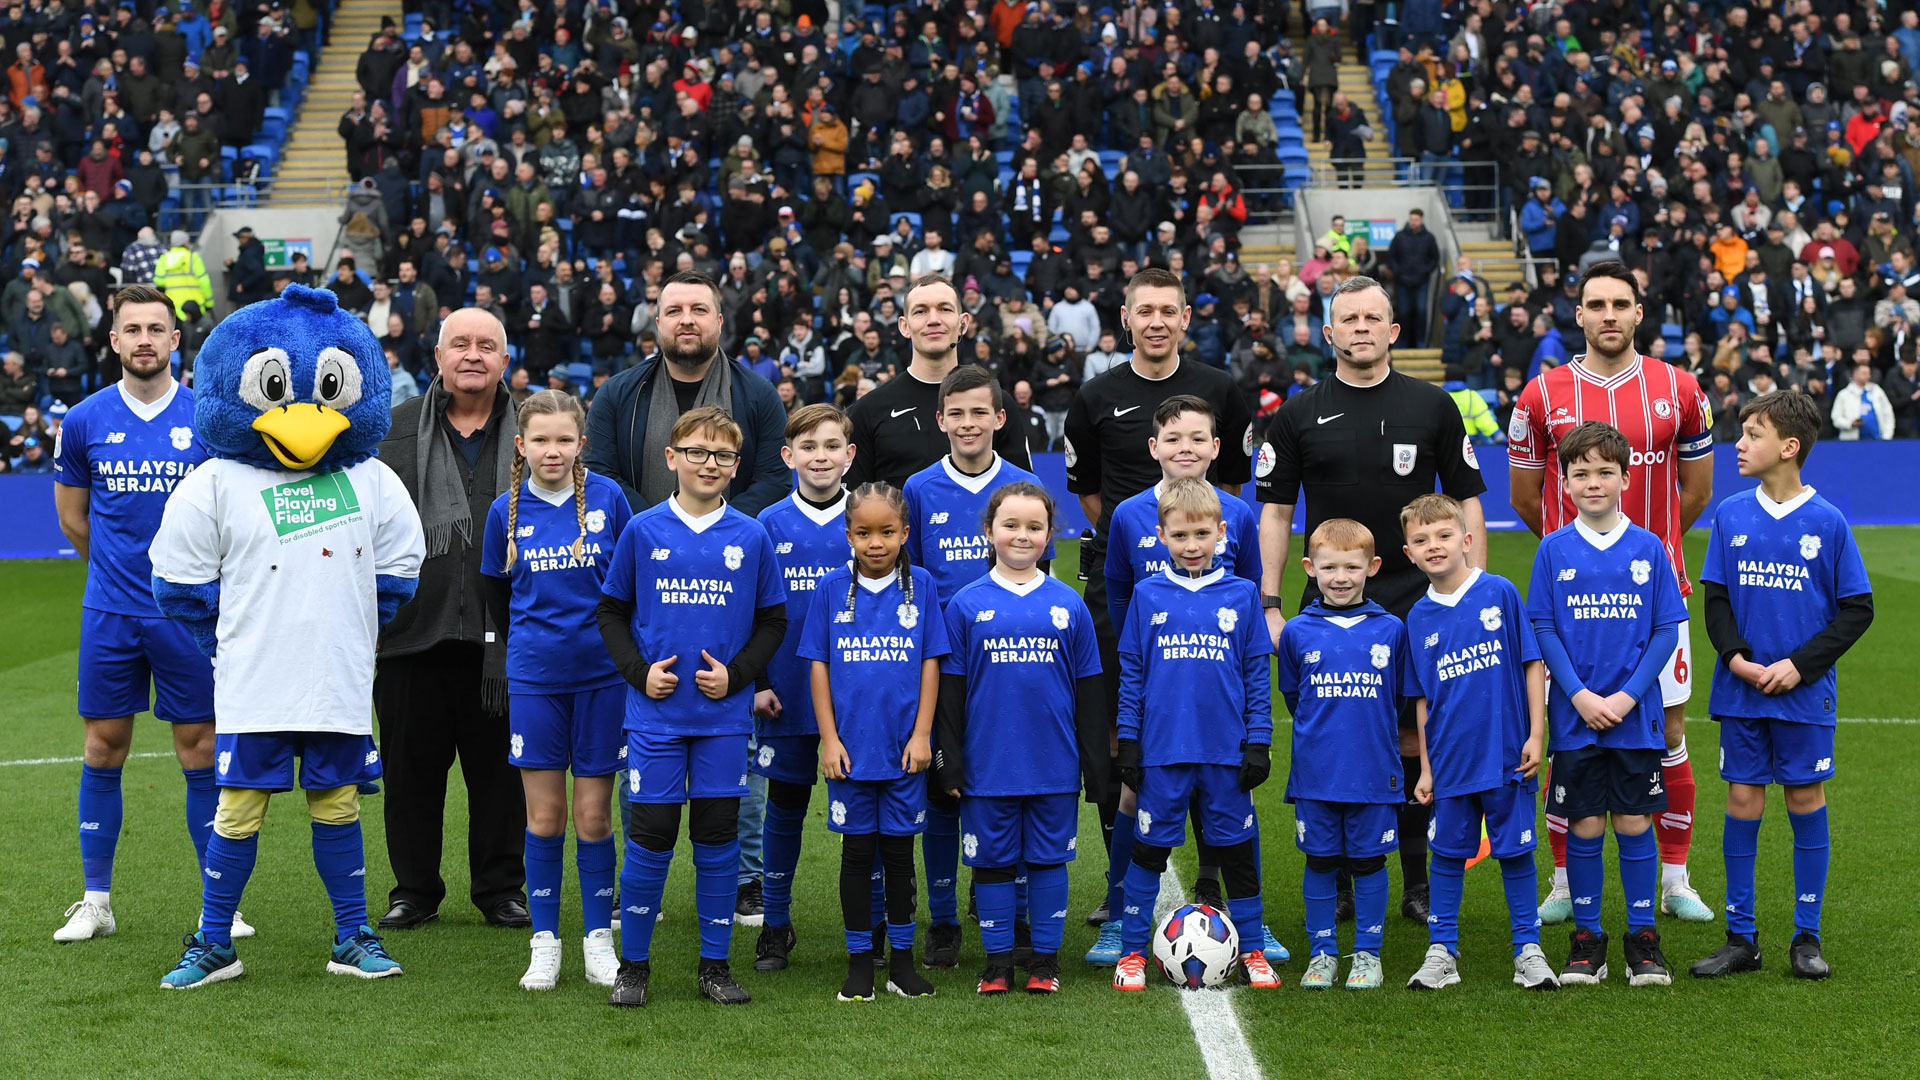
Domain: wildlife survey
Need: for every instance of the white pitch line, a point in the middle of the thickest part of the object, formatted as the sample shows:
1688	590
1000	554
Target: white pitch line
1216	1028
75	760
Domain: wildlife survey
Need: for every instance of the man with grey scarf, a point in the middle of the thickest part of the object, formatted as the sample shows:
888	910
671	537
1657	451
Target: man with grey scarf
628	428
441	688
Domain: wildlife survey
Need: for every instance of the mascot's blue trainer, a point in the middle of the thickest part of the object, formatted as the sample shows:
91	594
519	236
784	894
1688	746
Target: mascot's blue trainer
284	554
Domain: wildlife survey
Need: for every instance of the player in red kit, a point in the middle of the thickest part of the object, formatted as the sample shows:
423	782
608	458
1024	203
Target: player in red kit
1667	421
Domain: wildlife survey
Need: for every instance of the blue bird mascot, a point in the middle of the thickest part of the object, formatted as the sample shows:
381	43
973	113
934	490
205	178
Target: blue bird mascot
284	554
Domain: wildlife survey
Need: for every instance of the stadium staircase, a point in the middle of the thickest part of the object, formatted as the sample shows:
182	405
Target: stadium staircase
1356	81
313	167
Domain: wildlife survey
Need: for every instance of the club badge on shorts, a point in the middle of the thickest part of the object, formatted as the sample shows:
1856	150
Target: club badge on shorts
1403	454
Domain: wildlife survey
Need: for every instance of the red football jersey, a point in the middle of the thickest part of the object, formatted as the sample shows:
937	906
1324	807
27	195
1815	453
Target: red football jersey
1658	407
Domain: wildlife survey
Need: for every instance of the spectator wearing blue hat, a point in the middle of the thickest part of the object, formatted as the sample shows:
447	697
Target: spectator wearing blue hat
34	459
1540	217
1728	310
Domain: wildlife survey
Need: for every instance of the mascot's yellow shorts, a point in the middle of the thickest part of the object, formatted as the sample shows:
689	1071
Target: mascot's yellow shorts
243	810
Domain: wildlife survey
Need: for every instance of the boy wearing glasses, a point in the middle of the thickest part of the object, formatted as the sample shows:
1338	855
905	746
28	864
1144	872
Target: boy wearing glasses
692	573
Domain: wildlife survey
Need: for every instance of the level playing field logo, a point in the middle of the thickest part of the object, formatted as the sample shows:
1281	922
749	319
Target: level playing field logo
301	506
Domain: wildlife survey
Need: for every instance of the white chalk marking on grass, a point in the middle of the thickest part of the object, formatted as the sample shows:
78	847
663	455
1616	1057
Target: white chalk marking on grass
75	760
1223	1046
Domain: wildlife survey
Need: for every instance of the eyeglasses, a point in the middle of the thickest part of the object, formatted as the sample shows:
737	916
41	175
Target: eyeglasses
699	455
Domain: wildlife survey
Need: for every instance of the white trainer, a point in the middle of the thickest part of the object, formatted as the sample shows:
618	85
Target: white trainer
1680	900
1323	970
86	919
1531	970
602	962
241	927
1365	973
543	971
1557	906
1437	971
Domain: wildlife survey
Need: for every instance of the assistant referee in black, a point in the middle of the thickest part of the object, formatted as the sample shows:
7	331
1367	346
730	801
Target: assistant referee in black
1362	445
1108	425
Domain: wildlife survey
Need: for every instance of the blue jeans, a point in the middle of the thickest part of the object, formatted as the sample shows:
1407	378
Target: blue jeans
753	817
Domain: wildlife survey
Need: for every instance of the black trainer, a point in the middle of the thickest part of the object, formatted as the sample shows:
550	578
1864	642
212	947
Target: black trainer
775	945
717	985
1414	904
859	984
903	978
630	985
943	946
1646	964
1098	916
1737	955
1207	891
1022	943
749	909
1586	960
1808	962
879	945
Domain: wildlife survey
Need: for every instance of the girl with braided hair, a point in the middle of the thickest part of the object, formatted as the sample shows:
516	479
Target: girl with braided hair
875	637
548	541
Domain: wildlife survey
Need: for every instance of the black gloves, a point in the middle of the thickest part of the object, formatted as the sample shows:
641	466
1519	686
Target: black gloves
1126	763
1255	765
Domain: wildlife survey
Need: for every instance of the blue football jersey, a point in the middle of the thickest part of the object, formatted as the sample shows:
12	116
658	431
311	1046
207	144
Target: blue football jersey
128	456
874	651
694	584
1349	668
553	645
1022	648
1135	553
1469	654
944	508
1786	566
809	544
1604	594
1195	681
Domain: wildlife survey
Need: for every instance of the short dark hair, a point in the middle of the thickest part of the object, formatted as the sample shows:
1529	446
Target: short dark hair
1792	413
1183	403
1595	438
970	377
1154	277
693	277
141	294
1611	268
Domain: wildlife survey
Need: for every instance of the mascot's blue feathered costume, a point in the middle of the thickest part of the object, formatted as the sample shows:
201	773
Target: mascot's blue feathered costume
284	554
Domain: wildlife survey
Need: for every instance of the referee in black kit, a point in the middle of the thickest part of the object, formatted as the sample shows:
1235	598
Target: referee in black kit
1362	445
1108	426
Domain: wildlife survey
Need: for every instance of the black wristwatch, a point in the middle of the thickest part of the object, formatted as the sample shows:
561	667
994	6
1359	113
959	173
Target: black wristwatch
1270	603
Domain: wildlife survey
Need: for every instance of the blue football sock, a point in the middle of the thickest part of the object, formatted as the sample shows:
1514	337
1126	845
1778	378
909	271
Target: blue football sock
1369	911
940	848
229	865
1522	881
1586	879
783	828
1447	879
642	882
203	800
1639	876
544	855
594	861
1319	890
100	813
1249	915
1120	863
1136	916
995	900
339	855
715	884
1810	851
1020	913
1047	915
900	935
859	941
1740	847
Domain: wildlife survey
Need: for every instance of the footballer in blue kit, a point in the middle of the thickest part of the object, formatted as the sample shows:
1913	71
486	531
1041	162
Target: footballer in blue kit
1022	724
1343	671
874	635
809	534
1481	714
119	455
945	504
548	542
1195	724
1786	595
691	573
1607	615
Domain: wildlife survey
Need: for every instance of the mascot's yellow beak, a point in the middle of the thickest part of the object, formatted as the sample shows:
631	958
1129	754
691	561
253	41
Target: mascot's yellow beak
301	433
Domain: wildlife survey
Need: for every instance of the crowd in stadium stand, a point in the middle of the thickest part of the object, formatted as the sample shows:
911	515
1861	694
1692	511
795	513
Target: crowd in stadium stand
554	161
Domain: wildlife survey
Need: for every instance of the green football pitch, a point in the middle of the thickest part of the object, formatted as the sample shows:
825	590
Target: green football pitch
96	1008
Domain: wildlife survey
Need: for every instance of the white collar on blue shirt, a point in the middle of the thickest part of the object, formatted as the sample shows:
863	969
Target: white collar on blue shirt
697	524
874	585
146	411
1452	599
1017	588
1779	510
974	484
552	498
820	515
1195	584
1603	541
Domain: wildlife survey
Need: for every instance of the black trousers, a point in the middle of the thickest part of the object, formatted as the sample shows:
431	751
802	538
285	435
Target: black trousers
429	714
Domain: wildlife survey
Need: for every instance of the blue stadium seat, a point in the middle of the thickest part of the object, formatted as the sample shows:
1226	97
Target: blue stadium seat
1491	395
907	215
1673	330
1059	234
13	422
1021	258
1004	157
854	179
1296	176
1294	154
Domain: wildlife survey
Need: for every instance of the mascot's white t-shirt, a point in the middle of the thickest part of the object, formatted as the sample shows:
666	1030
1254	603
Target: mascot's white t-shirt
295	554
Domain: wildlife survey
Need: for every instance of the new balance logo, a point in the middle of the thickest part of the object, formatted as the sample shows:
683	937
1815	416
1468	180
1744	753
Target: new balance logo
89	826
937	518
1739	540
1387	837
1566	575
1377	928
640	910
661	554
783	548
1159	618
525	531
985	616
1149	541
1526	836
116	436
728	921
361	872
1322	933
1643	903
1809	898
212	873
1823	764
1061	914
542	892
1133	909
1583	901
1432	640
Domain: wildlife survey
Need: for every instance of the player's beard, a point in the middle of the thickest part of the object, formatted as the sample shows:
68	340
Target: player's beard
145	367
707	349
1628	349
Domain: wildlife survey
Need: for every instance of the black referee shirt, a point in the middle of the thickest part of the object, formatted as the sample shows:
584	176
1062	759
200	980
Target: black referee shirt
896	433
1111	419
1365	453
